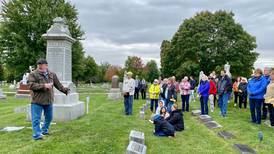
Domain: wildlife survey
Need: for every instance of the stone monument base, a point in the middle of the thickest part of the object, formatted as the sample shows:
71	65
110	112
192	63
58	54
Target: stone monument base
114	93
64	112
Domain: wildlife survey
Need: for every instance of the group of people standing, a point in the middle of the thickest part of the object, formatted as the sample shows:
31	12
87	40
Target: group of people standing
140	86
214	88
259	89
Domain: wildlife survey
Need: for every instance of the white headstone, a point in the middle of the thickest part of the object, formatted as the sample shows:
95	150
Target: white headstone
227	69
2	96
59	57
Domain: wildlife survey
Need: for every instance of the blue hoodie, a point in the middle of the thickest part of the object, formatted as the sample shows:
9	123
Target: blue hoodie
256	88
267	81
204	88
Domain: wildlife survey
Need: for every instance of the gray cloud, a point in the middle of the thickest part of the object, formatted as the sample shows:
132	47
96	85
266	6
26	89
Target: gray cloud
116	29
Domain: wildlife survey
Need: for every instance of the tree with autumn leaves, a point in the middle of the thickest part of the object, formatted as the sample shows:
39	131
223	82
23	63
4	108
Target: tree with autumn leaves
148	71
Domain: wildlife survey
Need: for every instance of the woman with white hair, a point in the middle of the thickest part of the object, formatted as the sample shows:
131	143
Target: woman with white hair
203	91
185	91
242	89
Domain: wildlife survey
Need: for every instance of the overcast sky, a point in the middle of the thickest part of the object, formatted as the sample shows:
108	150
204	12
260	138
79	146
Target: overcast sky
116	29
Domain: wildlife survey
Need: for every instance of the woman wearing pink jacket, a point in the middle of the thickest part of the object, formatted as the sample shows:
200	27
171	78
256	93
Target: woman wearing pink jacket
185	91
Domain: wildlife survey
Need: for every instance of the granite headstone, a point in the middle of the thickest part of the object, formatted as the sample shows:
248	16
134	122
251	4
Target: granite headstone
136	148
115	92
59	57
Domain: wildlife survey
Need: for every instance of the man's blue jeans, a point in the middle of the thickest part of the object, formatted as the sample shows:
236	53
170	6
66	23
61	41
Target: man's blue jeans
223	100
128	101
256	105
36	112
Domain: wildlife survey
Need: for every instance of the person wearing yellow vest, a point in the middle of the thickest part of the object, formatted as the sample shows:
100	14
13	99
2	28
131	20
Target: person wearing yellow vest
154	91
269	98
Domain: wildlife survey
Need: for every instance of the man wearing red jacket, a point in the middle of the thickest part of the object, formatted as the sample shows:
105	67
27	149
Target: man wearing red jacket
212	93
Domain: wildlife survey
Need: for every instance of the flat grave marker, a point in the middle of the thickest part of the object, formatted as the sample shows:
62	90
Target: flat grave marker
196	112
244	149
136	148
226	135
213	125
205	118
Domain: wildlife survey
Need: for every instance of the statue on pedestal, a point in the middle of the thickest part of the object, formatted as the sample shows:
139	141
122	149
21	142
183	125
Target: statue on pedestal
227	69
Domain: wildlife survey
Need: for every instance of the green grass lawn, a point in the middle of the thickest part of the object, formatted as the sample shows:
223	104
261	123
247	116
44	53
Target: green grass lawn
105	130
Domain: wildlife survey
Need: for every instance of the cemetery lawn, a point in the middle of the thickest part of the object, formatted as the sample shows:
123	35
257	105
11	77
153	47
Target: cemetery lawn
105	130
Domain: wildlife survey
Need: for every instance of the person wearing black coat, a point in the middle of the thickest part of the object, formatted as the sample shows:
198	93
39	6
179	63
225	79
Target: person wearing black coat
243	93
163	127
176	118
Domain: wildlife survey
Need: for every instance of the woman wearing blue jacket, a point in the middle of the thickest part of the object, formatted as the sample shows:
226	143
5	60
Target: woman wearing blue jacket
203	91
256	90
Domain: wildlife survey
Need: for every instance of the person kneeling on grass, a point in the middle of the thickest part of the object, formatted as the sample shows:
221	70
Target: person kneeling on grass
269	98
176	118
161	110
163	127
164	113
160	105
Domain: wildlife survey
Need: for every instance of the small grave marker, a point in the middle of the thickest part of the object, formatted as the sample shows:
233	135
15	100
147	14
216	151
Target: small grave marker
196	112
244	149
142	114
205	118
213	125
137	136
226	135
21	109
136	148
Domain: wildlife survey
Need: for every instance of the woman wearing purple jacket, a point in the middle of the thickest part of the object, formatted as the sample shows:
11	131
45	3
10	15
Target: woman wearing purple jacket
203	91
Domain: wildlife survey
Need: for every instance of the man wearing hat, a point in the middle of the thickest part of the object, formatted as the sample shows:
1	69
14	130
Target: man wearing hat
41	82
128	90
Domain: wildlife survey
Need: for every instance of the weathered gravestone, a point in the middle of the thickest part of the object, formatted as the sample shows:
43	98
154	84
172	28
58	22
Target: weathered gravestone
2	96
196	112
23	91
21	109
213	125
136	148
205	118
137	136
115	92
244	149
226	135
59	57
142	114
